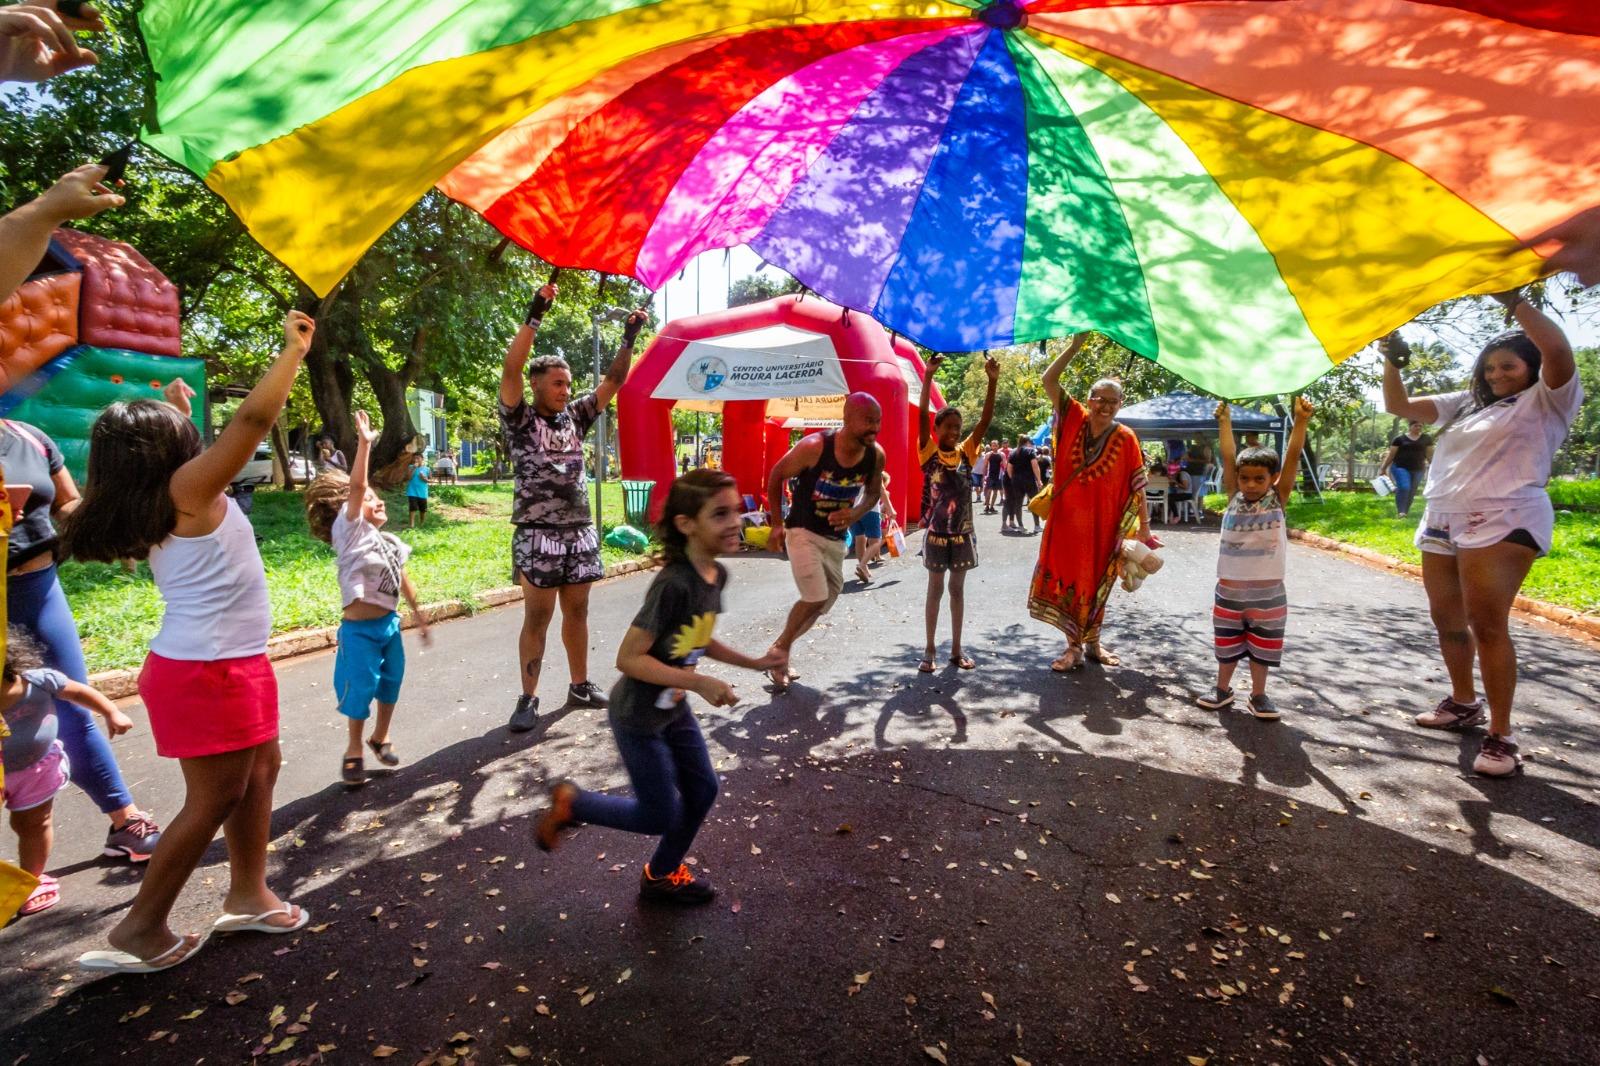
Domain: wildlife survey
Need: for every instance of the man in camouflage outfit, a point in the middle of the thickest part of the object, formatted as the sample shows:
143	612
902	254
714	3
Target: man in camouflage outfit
555	552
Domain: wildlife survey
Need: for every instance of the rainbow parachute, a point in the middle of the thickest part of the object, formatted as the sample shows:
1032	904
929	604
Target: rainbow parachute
1244	191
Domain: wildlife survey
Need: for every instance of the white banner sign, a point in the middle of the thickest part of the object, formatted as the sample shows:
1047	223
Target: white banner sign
759	364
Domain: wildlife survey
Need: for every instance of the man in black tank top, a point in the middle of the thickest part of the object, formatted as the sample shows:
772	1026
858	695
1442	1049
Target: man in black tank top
838	478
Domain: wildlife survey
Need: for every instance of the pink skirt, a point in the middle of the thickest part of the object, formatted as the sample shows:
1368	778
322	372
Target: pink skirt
209	707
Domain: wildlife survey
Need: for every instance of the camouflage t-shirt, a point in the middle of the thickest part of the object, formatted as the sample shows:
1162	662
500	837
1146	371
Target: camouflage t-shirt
547	460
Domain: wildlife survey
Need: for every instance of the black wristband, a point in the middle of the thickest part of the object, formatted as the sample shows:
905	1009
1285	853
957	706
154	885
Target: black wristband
534	316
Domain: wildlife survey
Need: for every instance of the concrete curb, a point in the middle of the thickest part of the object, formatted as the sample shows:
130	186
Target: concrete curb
120	684
1589	625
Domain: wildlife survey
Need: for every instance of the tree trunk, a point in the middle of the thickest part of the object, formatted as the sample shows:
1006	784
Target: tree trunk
1350	458
280	448
328	368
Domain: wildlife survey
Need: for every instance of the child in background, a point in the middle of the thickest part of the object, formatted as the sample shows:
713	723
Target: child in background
371	661
208	688
417	493
1252	608
869	531
950	544
674	784
35	761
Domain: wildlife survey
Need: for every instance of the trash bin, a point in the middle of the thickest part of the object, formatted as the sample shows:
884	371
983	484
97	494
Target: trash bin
636	502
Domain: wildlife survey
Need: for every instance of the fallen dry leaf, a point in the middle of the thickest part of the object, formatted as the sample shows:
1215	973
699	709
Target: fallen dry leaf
935	1054
519	1052
383	1051
1113	897
587	999
863	978
937	945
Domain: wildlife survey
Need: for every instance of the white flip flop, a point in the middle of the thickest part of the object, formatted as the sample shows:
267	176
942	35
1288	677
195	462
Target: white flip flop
124	962
257	923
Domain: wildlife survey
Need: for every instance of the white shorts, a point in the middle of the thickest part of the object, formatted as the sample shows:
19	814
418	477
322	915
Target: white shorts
818	565
1447	532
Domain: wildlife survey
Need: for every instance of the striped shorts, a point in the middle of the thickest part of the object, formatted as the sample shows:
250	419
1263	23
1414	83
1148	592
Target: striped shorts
1249	622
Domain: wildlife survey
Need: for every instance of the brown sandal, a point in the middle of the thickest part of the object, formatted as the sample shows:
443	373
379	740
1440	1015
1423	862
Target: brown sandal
353	771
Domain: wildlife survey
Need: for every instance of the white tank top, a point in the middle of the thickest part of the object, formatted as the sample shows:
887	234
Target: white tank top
215	591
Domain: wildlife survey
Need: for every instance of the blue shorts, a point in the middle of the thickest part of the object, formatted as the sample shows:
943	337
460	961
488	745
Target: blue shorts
370	664
869	525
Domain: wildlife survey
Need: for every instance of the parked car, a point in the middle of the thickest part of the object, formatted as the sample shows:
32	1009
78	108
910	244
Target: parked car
262	466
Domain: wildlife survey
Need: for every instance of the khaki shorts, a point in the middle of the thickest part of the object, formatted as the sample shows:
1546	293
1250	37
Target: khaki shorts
818	565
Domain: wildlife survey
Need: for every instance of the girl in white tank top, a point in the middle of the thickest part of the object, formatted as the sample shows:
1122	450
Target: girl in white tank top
208	689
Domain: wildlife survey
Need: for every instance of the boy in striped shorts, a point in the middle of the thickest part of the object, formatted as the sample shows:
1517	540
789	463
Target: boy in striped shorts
1252	608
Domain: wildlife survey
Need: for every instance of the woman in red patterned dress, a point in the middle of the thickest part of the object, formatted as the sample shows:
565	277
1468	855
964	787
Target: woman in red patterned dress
1097	500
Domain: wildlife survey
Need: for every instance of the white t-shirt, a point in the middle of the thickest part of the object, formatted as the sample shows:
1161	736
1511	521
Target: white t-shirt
1499	456
371	562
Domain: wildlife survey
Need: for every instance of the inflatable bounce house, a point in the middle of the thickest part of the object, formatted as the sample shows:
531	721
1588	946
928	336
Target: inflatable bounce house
771	369
95	323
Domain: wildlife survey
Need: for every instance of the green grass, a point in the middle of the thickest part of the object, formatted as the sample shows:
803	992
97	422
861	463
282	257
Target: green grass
1569	575
464	548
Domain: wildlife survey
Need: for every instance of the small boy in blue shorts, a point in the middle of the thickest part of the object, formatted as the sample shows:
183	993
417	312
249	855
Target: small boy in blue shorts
371	660
1251	612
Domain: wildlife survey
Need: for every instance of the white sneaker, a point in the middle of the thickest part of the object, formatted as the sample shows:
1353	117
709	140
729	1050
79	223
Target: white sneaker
1498	757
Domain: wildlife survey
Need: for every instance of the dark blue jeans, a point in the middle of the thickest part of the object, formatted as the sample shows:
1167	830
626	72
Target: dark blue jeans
674	787
36	603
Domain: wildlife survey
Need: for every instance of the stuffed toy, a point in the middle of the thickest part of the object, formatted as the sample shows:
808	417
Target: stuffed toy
1139	561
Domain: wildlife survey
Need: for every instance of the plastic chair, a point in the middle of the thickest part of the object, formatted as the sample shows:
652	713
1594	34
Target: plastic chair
1156	500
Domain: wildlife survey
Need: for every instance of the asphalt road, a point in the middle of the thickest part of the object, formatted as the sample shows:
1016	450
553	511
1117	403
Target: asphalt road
1004	865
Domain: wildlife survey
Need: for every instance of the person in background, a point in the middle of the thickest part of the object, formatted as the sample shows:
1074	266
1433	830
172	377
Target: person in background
417	493
1023	478
1405	461
994	476
330	458
868	531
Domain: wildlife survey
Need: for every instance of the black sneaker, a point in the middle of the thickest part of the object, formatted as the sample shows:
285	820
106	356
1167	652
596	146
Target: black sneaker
1219	698
1262	707
587	692
526	716
678	887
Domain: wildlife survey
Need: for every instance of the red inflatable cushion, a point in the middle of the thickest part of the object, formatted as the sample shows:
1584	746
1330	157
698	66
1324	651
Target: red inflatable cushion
37	323
126	302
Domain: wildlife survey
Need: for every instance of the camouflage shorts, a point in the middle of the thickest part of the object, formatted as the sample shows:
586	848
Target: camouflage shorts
550	557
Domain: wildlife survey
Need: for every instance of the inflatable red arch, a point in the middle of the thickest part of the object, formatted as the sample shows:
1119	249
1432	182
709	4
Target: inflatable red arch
770	368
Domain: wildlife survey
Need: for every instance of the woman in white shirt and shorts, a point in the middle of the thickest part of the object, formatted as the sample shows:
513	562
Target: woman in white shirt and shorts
1488	513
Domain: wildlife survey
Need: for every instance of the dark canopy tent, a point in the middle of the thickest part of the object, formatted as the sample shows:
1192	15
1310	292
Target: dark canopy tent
1184	413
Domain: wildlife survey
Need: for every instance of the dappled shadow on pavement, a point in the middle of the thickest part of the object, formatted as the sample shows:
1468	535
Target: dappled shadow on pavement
868	815
1110	910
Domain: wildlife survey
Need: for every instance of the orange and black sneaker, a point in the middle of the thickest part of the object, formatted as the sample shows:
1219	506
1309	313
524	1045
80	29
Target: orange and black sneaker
678	887
547	830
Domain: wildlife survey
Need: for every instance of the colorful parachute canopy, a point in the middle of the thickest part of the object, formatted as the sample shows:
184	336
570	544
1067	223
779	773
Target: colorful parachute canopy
1244	191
